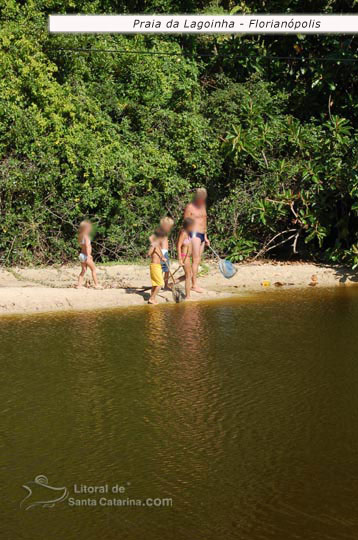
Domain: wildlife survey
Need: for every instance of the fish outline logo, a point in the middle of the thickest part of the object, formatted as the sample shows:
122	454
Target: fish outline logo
49	495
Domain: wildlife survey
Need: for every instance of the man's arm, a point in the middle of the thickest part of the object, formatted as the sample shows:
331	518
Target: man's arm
207	241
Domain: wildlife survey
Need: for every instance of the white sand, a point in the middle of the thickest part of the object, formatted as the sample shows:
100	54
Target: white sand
35	290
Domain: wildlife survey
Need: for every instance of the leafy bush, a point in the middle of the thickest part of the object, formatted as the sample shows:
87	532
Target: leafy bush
122	137
292	180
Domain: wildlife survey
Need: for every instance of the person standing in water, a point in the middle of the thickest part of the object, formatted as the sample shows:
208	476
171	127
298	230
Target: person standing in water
196	210
85	257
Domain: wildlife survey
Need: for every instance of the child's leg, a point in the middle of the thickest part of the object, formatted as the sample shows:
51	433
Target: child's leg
188	278
82	274
153	294
92	267
166	279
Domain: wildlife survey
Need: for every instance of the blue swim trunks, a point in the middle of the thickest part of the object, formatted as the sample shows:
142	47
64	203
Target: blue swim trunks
164	265
198	235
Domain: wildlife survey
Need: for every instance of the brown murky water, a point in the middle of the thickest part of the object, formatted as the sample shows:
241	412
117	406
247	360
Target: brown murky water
222	420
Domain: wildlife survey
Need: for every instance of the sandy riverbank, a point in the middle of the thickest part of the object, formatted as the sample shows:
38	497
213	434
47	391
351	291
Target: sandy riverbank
36	290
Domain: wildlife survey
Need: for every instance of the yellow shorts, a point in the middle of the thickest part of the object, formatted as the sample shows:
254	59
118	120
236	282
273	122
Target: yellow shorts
156	275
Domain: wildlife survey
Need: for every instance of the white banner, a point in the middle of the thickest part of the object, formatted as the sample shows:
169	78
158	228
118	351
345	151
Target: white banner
205	24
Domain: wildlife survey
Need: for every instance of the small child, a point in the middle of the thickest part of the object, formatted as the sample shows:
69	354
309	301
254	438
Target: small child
157	258
166	225
85	256
184	249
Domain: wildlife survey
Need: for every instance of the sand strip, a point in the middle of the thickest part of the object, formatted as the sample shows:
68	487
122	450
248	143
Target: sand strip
45	289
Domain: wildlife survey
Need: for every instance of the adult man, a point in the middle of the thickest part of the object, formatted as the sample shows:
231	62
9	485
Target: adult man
196	210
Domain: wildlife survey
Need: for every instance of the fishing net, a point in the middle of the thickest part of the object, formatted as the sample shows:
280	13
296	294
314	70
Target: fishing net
178	293
227	269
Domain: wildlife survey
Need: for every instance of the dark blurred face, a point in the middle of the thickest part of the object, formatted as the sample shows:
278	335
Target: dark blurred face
200	201
190	227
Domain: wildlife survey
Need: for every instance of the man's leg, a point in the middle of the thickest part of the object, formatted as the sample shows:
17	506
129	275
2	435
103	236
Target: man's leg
187	277
197	252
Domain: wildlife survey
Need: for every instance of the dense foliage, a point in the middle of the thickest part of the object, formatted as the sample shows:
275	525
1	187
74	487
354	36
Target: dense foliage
90	126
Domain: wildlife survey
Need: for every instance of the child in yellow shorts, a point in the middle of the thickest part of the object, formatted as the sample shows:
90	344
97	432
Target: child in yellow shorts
156	273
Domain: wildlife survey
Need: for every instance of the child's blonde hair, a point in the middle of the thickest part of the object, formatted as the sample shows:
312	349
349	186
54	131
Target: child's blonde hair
167	221
85	223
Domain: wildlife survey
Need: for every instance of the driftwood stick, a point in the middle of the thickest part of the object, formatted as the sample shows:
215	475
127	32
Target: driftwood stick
265	248
293	210
280	243
294	245
265	158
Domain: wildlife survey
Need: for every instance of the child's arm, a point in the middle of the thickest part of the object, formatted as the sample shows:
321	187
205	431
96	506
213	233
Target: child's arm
179	247
155	248
153	244
88	246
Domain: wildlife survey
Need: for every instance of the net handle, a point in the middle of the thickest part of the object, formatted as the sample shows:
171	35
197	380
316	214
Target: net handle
213	250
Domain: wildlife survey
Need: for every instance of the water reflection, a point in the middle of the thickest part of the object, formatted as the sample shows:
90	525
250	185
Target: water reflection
90	384
243	412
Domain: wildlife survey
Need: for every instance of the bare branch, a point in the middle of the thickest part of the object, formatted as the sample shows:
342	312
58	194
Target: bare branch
280	243
294	245
263	153
266	248
293	210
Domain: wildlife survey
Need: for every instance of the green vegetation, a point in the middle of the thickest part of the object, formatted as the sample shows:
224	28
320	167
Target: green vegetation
122	137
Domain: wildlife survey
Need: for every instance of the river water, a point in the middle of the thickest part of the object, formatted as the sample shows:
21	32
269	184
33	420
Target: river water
222	420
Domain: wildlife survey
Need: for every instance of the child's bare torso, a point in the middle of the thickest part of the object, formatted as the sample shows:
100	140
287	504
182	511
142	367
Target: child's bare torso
164	243
156	257
83	241
186	248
